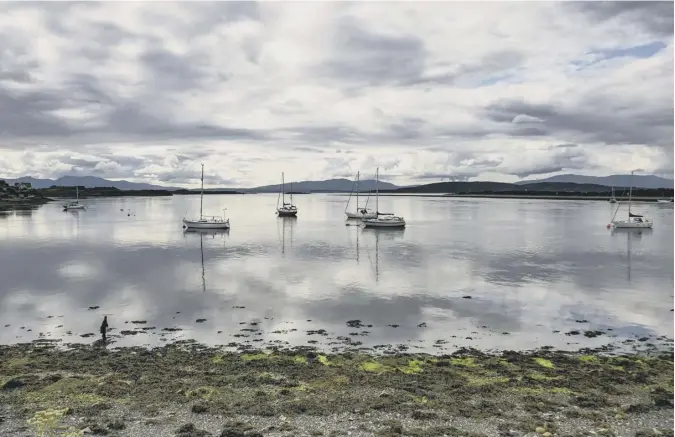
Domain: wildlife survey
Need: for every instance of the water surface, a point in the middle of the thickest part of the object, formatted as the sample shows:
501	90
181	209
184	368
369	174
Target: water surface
532	270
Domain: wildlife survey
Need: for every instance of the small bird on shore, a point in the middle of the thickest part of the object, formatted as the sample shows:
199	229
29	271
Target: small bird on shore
104	327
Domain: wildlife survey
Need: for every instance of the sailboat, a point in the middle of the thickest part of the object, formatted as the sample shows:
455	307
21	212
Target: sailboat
204	222
633	221
383	220
286	209
359	213
613	198
76	204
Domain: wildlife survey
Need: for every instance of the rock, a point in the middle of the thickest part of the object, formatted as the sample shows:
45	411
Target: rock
86	430
189	430
200	321
12	384
200	408
424	415
547	434
232	432
97	429
540	430
592	334
116	425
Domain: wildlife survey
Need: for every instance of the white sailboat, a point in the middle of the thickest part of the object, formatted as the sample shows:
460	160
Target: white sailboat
633	221
383	220
665	200
359	213
206	222
76	204
286	209
613	198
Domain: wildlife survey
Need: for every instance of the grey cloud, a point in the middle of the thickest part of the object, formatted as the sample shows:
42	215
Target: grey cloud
561	157
407	128
307	149
461	167
595	119
326	134
445	177
190	176
367	58
204	16
25	114
169	71
473	74
29	114
229	11
83	163
653	16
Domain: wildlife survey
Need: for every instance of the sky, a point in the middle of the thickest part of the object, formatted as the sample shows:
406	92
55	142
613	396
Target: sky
427	91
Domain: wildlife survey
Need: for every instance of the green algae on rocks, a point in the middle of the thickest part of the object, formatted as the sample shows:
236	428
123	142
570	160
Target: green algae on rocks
514	386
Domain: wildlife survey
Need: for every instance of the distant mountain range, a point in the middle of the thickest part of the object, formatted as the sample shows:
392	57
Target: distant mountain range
639	181
87	182
345	185
329	186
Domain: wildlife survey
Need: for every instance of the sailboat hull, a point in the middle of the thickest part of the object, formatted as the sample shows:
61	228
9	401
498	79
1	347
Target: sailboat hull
75	206
207	224
623	224
287	212
384	223
361	215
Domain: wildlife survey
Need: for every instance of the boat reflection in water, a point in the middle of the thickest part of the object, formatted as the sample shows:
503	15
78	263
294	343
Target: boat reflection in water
385	234
631	235
287	225
205	233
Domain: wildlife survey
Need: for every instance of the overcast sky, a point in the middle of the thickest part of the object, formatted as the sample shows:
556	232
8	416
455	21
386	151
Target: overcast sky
486	91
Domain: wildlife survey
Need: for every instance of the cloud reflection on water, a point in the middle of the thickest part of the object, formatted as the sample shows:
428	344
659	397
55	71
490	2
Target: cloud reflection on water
530	268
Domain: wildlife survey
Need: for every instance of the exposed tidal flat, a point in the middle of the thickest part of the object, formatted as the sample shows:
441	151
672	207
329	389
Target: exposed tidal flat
484	317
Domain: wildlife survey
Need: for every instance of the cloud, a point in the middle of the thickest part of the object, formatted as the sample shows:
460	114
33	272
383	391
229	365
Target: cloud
423	90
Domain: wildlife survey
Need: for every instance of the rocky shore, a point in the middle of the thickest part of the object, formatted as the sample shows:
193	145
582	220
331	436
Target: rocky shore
186	389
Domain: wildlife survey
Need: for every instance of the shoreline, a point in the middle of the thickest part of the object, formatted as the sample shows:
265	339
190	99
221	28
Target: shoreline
137	391
645	199
25	203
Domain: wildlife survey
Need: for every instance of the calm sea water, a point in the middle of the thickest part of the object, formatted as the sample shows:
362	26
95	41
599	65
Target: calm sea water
532	269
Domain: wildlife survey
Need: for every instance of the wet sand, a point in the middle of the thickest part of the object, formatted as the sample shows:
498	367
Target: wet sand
187	389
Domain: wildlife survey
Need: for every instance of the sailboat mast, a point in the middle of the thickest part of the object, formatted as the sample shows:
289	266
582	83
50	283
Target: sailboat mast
77	194
377	191
291	193
630	194
201	197
283	190
357	191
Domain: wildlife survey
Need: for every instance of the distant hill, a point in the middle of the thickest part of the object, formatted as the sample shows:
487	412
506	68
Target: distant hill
639	181
501	187
88	182
329	186
332	185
